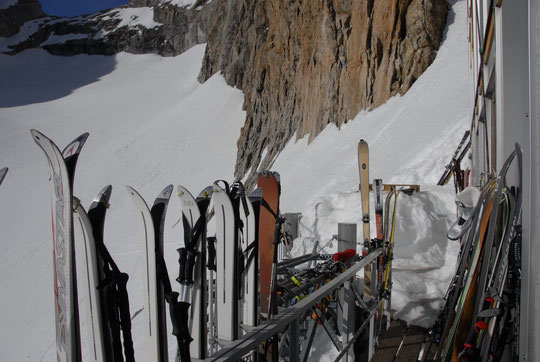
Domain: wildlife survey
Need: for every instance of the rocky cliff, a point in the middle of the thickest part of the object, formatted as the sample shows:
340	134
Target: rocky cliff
302	64
305	64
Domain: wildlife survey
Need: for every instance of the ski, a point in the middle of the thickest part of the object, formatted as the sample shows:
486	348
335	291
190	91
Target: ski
370	284
112	288
153	222
446	317
226	259
158	211
149	278
268	215
3	173
62	174
491	305
90	276
194	289
469	289
250	250
388	240
363	166
379	226
459	154
269	231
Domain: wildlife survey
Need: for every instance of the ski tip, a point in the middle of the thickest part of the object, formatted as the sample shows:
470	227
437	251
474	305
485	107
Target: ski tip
3	173
75	146
132	191
166	193
104	195
37	135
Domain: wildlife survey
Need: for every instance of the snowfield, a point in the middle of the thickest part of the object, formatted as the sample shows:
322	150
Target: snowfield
152	124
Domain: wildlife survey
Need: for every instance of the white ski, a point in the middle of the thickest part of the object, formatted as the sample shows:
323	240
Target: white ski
149	276
226	249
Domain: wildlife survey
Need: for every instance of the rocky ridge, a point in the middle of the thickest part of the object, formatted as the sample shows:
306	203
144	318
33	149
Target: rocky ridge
163	28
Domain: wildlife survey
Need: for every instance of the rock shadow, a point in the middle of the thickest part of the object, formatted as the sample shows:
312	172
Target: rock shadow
35	76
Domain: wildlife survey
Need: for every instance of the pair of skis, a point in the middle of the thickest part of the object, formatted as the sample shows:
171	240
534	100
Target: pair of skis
454	166
156	282
476	291
107	303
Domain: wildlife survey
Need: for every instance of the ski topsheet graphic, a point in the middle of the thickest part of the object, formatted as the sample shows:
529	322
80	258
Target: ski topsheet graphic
62	173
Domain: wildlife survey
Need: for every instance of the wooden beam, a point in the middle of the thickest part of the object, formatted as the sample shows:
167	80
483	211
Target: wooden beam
489	38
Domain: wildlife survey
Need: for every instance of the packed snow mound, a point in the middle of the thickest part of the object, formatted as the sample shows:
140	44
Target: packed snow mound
152	124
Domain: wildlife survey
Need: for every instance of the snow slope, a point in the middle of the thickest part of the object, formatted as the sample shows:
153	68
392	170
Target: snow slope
151	124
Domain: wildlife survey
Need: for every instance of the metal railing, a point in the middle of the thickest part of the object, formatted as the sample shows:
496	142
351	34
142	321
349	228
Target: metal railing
292	316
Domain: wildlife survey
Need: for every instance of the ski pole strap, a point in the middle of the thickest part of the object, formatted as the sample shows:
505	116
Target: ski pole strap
192	235
251	255
182	260
125	317
264	203
239	191
211	263
225	184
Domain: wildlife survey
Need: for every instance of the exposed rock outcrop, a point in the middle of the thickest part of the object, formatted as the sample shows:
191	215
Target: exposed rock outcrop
305	64
16	15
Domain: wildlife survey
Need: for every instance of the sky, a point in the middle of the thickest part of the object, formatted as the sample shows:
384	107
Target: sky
77	7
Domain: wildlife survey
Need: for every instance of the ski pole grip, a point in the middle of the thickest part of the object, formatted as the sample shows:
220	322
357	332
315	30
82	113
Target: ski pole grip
182	261
211	264
190	265
179	318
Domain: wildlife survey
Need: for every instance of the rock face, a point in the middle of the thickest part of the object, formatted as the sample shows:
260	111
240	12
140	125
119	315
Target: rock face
16	15
305	64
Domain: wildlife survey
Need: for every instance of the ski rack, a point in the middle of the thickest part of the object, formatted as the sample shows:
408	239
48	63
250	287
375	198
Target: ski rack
289	319
392	187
